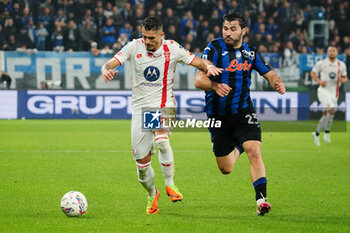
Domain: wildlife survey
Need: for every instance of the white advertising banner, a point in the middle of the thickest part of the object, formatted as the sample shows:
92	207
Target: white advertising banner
347	98
8	104
272	106
269	106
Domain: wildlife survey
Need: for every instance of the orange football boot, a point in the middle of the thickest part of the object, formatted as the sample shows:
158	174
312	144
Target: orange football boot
152	206
173	193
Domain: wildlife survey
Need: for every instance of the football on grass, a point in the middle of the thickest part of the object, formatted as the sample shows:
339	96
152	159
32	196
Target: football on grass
74	204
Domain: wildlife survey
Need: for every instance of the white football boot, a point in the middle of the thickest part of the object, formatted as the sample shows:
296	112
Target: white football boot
316	139
327	138
263	207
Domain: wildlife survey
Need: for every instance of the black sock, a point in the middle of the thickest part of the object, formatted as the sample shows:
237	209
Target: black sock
327	131
260	188
317	133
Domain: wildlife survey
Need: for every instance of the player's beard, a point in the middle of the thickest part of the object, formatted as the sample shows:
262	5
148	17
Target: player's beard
150	48
332	57
234	42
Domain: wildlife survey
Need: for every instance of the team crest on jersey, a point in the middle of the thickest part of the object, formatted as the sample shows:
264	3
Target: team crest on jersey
248	54
238	54
151	73
332	75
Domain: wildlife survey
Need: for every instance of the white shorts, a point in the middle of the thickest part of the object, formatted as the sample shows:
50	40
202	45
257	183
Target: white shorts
327	99
142	141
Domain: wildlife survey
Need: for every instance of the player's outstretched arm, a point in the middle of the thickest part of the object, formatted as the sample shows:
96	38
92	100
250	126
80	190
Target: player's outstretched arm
107	69
203	82
275	82
207	67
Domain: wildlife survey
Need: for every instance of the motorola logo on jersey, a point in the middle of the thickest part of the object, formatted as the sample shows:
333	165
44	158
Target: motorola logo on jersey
332	75
151	73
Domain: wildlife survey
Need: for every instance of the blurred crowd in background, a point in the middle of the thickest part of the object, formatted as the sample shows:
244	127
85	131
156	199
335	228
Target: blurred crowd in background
104	26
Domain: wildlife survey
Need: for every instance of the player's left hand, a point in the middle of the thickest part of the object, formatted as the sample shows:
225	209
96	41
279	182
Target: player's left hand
343	80
109	75
214	71
280	87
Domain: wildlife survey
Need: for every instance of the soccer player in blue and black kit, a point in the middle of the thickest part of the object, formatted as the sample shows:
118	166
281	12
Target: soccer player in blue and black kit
227	99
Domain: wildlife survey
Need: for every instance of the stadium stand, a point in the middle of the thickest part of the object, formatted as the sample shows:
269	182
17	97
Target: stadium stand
302	26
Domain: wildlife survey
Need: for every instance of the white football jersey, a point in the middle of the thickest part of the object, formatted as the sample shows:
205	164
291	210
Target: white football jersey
152	73
331	73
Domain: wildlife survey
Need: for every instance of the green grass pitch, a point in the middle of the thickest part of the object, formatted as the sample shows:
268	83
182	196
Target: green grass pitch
40	160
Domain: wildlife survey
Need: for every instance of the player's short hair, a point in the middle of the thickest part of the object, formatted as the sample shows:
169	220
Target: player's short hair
152	23
332	46
230	15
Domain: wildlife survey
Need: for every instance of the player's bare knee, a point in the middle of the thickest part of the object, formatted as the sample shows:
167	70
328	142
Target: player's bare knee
144	160
253	152
226	170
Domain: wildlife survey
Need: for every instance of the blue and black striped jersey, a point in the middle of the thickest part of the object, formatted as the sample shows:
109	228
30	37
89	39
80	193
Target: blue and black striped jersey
238	65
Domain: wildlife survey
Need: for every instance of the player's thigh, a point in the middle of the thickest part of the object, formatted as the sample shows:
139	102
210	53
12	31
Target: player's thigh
247	126
168	115
327	99
142	141
167	118
223	138
226	163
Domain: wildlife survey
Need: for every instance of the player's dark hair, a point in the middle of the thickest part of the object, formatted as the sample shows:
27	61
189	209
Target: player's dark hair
332	46
152	23
230	15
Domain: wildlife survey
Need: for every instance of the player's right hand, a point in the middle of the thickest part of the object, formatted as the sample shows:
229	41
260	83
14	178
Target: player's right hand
322	83
109	75
280	87
214	71
221	89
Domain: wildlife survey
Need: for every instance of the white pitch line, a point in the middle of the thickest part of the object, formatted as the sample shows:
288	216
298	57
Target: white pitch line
64	151
87	151
176	151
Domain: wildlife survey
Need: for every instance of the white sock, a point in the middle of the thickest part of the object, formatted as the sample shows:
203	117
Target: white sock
166	158
321	124
328	122
145	175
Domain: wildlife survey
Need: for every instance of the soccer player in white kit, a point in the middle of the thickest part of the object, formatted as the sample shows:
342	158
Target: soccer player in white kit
153	62
329	73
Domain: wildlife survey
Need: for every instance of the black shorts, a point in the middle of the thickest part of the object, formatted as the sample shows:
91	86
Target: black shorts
234	131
